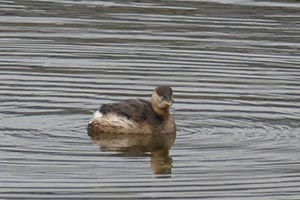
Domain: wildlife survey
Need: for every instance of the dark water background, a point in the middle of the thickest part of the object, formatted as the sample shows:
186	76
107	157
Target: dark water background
234	66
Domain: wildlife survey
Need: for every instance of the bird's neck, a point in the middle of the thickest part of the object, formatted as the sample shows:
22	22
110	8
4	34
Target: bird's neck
155	104
164	113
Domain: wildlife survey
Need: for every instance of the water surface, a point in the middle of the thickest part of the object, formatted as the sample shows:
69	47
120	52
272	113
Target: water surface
234	69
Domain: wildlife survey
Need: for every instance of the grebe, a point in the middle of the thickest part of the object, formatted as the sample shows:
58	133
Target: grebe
137	115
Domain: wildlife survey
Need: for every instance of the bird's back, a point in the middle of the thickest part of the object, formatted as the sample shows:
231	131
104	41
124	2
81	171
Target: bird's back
137	110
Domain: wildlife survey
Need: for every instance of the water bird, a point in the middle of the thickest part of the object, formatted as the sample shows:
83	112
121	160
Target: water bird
133	116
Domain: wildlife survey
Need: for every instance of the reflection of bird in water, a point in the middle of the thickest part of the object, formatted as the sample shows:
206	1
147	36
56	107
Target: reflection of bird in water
131	144
137	115
134	127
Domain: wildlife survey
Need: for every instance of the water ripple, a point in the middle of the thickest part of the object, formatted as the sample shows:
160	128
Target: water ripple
234	68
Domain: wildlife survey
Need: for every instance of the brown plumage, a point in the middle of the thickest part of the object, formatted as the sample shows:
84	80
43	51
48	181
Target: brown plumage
137	115
133	109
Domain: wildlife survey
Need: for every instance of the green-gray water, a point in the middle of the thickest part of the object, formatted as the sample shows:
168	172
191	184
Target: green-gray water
235	70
